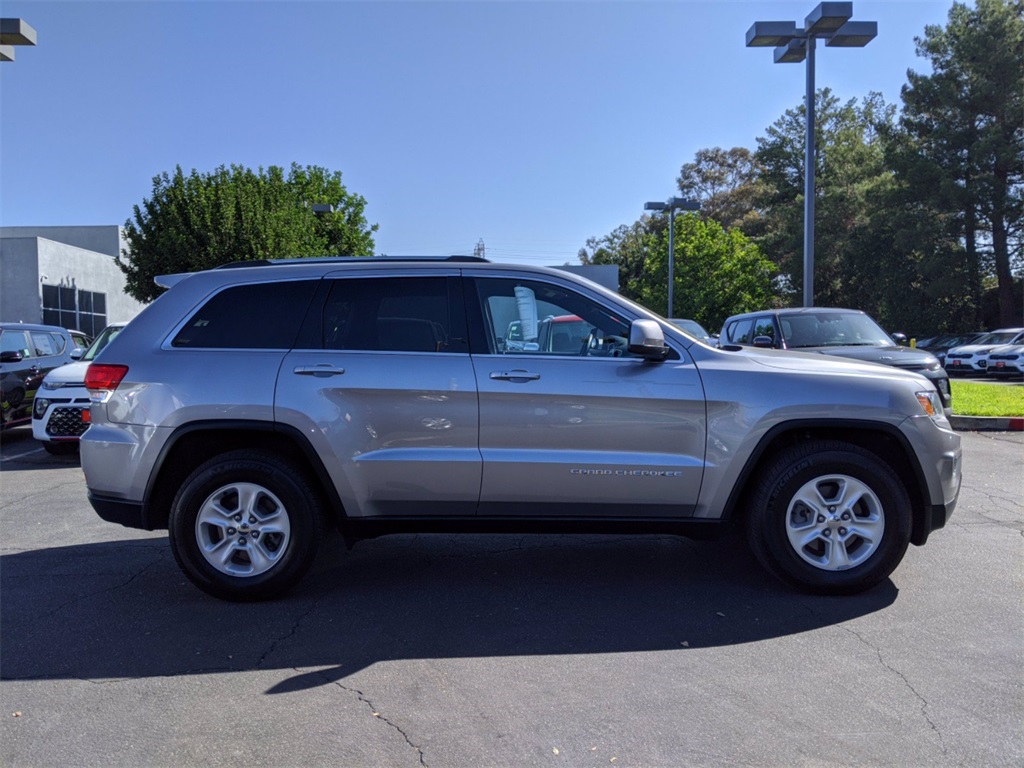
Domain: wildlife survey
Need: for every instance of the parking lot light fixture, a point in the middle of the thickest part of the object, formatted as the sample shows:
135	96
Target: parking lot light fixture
14	32
830	22
672	205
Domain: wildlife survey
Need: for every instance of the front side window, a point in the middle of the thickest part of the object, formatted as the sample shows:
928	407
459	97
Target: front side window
393	314
256	316
15	341
529	317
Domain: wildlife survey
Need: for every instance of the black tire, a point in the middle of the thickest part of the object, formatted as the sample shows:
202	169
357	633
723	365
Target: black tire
252	556
61	449
832	549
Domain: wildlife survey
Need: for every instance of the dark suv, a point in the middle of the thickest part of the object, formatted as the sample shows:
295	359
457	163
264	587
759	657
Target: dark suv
27	354
840	332
247	409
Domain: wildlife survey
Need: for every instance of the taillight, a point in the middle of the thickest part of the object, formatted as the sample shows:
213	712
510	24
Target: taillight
103	378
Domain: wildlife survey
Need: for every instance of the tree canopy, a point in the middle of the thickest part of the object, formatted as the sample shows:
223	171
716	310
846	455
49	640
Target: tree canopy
717	272
203	220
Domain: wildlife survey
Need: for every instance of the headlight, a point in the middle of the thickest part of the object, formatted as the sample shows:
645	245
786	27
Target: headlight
40	406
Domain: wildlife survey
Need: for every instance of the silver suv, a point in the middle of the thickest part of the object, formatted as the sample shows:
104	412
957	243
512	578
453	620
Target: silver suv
248	409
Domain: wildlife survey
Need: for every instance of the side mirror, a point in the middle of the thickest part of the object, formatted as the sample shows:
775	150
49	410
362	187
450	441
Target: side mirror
11	357
647	340
76	353
764	342
900	338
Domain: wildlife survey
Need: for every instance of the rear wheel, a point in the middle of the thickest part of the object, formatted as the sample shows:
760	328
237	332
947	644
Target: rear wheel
245	526
829	517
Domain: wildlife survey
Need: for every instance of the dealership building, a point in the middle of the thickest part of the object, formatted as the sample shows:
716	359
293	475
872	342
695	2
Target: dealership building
64	276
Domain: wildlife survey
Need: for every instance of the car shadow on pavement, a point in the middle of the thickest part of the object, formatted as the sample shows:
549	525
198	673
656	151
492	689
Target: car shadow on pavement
123	609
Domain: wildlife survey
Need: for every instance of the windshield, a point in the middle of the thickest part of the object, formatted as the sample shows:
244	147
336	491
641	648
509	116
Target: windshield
1006	337
833	329
102	340
691	328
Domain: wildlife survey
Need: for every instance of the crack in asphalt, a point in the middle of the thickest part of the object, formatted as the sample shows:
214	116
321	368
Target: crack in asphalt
20	501
909	686
377	714
290	633
78	598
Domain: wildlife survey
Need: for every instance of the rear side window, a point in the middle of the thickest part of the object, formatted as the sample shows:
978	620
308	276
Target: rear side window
258	316
763	326
43	344
393	314
739	331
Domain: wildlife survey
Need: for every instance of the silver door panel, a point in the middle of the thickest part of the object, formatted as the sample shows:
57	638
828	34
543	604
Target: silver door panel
573	436
397	430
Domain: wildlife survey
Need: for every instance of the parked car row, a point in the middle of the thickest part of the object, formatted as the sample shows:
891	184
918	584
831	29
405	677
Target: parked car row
999	353
846	333
60	412
27	354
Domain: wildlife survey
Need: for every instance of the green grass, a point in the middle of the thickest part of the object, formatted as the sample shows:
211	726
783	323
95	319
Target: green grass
972	398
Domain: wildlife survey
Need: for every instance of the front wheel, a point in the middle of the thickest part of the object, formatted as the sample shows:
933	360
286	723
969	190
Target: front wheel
829	518
245	526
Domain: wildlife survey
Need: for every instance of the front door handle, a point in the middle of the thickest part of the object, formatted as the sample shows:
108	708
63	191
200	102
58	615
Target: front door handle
320	371
515	375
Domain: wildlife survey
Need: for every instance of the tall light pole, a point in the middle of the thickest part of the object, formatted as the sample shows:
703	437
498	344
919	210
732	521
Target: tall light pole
672	205
831	22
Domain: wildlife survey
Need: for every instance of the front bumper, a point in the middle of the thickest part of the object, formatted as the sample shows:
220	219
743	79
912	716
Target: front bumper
126	513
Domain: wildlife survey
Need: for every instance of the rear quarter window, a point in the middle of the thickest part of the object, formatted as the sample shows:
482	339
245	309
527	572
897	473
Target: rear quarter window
255	316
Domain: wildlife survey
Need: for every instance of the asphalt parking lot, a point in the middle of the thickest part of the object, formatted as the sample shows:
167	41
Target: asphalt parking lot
507	651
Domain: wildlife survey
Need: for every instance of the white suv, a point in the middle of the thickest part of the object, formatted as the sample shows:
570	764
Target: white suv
60	412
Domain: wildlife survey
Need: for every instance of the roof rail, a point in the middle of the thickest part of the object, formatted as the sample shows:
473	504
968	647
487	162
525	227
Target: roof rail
344	260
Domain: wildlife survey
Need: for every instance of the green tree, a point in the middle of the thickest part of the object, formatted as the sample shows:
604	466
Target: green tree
727	184
849	170
716	273
204	220
962	154
627	248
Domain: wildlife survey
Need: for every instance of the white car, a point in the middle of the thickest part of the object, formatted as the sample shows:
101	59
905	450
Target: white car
1007	360
973	358
60	413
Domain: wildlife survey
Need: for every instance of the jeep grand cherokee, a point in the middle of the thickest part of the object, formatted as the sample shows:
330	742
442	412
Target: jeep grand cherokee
247	409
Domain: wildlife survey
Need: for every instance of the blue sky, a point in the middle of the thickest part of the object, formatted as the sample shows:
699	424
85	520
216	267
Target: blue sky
531	125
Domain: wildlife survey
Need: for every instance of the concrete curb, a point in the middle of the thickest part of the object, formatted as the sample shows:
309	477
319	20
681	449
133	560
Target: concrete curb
987	423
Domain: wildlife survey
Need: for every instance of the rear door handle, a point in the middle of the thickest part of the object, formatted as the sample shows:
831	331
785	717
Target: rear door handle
318	370
515	375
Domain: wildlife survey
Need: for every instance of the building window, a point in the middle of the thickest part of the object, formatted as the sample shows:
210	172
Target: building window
74	309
